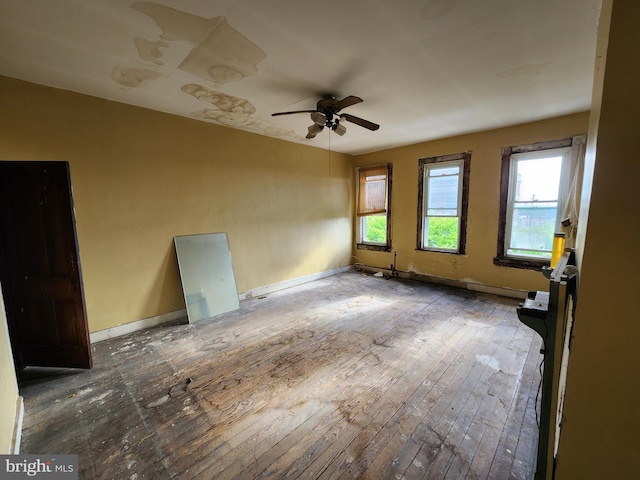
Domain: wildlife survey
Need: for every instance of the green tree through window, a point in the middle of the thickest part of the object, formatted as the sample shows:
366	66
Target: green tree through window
443	233
443	192
376	229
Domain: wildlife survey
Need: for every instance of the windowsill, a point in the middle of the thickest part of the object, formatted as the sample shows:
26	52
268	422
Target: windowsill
373	246
528	264
450	252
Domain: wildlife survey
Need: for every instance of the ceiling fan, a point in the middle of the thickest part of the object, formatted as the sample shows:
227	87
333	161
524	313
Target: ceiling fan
326	115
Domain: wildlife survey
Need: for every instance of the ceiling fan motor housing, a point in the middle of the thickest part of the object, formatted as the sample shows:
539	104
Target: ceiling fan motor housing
328	106
326	109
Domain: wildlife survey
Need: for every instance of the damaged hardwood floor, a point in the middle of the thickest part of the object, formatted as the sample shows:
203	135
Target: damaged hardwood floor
350	376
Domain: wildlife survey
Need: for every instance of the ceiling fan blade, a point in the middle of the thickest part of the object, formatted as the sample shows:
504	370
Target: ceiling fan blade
360	121
295	111
347	102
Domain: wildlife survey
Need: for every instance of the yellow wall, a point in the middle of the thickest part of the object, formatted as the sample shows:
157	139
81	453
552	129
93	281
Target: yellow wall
8	386
476	265
141	177
602	415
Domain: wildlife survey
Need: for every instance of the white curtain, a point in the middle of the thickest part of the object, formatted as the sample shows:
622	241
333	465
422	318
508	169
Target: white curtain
572	206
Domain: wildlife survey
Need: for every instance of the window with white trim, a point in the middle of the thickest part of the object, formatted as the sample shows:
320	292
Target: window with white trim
534	190
442	203
373	209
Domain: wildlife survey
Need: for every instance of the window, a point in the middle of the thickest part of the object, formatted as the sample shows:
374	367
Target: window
443	192
533	192
374	208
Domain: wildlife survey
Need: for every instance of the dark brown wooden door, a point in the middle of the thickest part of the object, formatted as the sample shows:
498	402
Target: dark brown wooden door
40	267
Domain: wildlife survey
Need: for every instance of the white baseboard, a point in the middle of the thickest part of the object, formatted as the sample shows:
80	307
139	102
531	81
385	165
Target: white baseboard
126	328
259	291
172	316
17	427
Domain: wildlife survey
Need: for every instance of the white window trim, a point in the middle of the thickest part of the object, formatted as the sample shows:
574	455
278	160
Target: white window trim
360	229
563	193
463	205
425	197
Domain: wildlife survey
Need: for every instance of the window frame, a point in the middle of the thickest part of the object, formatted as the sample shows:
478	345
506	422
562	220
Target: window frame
463	159
505	213
360	219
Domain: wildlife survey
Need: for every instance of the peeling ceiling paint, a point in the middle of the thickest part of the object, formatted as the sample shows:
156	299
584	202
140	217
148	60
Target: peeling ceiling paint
425	69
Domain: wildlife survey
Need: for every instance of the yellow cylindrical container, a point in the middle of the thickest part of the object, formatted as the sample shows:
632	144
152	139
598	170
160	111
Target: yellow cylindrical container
557	249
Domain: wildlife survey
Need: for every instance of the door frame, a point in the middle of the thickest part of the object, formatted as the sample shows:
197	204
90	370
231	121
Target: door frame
82	323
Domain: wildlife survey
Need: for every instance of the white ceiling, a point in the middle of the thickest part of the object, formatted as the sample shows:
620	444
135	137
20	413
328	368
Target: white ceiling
426	69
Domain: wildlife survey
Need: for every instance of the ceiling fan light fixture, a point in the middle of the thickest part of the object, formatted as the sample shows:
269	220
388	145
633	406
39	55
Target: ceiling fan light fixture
339	128
326	115
319	118
314	130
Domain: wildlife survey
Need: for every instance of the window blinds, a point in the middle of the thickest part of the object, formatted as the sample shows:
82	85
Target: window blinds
372	190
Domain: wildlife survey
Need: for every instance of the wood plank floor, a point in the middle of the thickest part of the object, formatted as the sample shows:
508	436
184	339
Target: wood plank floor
350	376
